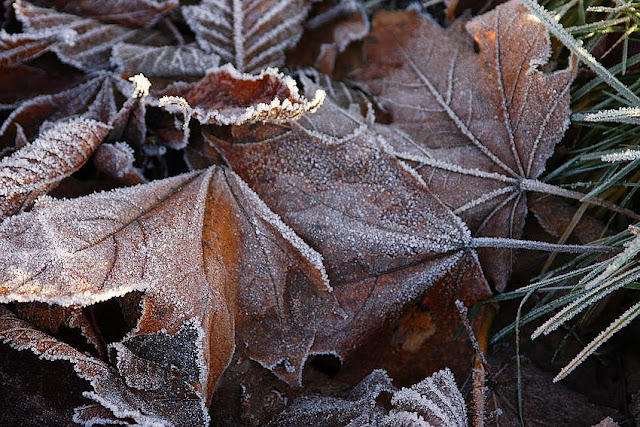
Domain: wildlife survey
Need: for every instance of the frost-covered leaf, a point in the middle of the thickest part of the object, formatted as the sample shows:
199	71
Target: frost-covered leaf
435	401
177	402
224	96
483	123
38	167
133	13
201	246
250	34
385	238
94	99
17	48
90	48
164	61
358	408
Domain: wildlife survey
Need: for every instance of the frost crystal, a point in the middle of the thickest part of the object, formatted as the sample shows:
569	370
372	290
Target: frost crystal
141	86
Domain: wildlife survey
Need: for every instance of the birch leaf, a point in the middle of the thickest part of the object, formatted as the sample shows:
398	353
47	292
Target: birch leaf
484	123
204	249
91	47
250	34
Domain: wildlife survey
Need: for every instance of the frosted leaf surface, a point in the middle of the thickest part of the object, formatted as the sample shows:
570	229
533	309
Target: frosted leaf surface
435	401
94	99
164	61
250	34
225	96
202	246
384	237
38	167
17	48
480	123
133	13
358	408
109	388
91	47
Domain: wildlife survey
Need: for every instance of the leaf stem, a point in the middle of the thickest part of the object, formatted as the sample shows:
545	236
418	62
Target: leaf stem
502	242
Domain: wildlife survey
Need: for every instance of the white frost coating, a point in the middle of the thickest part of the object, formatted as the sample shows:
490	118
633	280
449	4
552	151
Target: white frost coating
37	167
314	257
249	40
163	61
627	155
141	85
630	115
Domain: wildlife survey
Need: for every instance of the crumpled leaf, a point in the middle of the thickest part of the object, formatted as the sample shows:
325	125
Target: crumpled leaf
483	123
38	167
90	49
163	61
435	401
224	96
110	390
252	35
94	99
203	247
385	238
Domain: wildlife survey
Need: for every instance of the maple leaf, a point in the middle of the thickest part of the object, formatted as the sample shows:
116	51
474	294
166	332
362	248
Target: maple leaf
484	123
90	48
250	34
385	238
209	255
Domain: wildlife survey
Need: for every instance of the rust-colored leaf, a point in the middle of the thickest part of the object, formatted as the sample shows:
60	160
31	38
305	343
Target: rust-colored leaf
484	123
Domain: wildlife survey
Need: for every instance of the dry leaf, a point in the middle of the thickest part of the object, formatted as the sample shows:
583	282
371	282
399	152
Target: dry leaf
249	34
93	99
18	48
90	48
38	167
385	238
210	256
484	123
224	96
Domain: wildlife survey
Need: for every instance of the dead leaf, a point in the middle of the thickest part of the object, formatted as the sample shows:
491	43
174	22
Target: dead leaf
89	45
210	256
385	238
95	98
224	96
484	123
18	48
38	167
250	35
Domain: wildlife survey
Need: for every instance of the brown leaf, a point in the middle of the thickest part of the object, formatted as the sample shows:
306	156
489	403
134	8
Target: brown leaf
17	48
484	123
224	96
203	247
251	35
133	13
90	47
38	167
385	238
176	401
94	99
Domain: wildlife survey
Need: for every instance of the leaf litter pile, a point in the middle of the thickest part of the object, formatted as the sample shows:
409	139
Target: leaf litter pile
259	212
